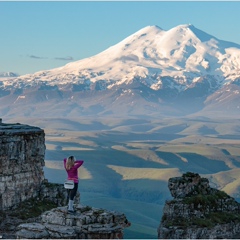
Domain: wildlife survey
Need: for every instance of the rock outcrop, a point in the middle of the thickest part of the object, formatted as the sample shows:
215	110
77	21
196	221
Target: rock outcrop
21	163
30	206
198	211
22	154
86	223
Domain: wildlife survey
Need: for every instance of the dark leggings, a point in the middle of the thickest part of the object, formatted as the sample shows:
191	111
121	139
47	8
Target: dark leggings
72	192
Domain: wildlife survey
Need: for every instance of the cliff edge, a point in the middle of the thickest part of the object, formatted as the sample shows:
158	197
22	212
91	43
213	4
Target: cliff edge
198	211
30	206
86	223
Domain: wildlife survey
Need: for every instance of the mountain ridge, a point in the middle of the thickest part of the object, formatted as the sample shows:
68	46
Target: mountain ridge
152	66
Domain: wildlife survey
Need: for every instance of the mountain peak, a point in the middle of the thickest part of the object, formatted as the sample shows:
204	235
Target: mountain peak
183	52
8	74
147	69
149	31
189	29
151	28
188	25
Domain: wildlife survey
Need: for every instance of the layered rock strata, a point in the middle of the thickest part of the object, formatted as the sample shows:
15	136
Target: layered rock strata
21	163
86	223
198	211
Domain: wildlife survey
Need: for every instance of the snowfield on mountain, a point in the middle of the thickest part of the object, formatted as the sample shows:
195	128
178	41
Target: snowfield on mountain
152	66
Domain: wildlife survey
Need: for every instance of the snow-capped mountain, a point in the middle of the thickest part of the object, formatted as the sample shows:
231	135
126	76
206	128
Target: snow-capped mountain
8	74
151	71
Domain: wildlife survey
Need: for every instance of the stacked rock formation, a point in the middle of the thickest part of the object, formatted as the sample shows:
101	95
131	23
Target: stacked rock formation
198	211
86	223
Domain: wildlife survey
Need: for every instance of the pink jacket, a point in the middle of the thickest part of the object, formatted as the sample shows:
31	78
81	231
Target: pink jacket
73	171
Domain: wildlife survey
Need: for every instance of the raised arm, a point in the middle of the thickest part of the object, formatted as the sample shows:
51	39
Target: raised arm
64	162
78	163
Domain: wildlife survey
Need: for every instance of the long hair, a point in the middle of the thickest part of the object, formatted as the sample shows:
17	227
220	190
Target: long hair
70	162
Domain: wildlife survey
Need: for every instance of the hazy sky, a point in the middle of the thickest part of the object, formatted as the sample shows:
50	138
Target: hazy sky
38	36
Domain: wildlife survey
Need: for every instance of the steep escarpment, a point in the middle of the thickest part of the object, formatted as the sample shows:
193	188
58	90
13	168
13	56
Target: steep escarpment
21	163
22	178
30	206
198	211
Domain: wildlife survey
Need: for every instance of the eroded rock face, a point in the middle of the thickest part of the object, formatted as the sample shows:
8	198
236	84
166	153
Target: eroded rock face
22	155
86	223
198	211
21	163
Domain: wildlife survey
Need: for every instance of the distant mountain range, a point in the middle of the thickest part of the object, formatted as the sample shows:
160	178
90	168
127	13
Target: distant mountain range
8	74
152	73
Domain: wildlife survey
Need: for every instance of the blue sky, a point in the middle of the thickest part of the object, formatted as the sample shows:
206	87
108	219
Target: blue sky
42	35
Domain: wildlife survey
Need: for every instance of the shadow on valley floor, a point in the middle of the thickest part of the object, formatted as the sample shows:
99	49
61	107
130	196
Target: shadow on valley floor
194	163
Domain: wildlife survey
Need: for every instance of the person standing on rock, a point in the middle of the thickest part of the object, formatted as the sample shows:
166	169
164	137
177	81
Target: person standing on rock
71	165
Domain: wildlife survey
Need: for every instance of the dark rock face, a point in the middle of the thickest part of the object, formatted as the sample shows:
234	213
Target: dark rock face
198	211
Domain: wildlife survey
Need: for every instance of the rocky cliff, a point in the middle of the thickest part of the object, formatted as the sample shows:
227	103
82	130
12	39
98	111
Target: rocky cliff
198	211
30	206
21	163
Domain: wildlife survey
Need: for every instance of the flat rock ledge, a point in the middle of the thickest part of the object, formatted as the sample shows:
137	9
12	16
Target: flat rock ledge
86	223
